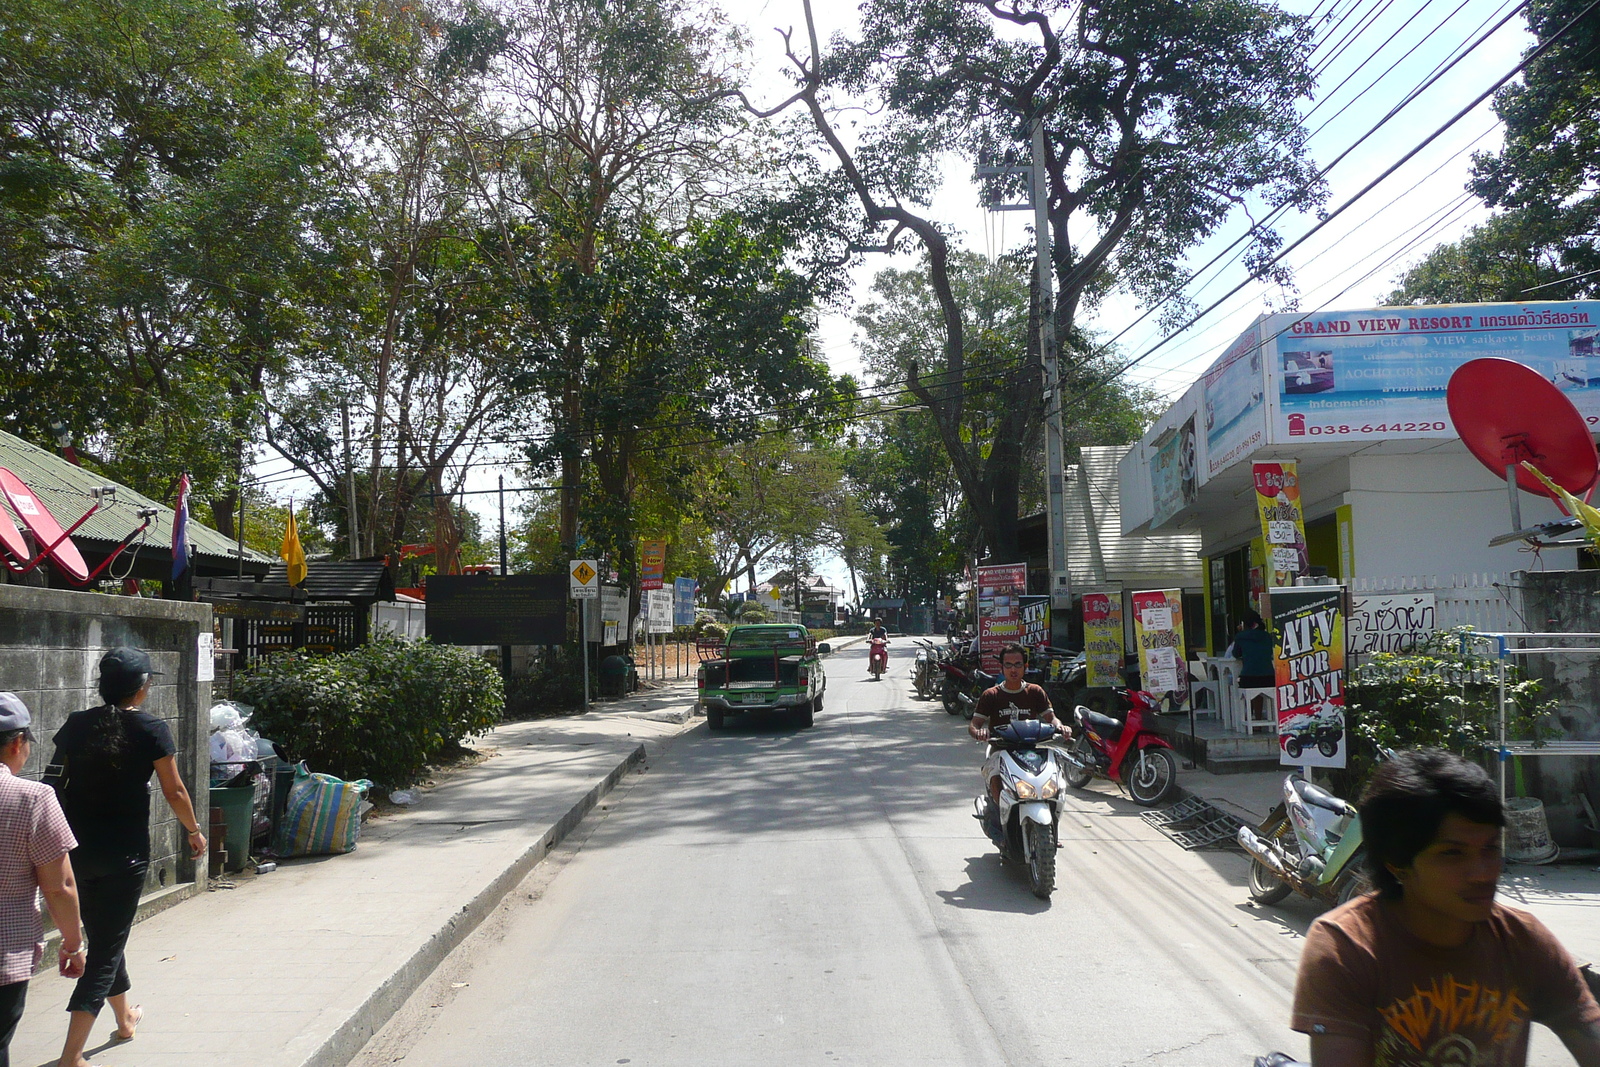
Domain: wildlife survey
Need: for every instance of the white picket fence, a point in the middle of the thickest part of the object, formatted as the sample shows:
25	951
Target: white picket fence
1476	600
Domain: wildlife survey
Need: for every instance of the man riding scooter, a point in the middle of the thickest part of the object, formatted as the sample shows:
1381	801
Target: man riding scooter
1012	699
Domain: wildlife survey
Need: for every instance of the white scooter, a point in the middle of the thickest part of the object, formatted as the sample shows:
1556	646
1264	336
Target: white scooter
1031	781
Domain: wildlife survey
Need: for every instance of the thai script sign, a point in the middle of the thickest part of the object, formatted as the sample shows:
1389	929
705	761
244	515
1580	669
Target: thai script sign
1283	527
683	601
1308	661
1102	639
1378	375
1390	622
1158	633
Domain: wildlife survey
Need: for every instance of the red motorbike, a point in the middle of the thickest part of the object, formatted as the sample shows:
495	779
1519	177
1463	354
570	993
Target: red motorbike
1123	751
878	657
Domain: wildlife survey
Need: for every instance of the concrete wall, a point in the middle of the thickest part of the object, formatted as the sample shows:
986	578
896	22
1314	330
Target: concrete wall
51	641
1564	602
1434	513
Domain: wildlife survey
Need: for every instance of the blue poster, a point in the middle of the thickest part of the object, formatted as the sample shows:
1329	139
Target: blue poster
683	601
1381	374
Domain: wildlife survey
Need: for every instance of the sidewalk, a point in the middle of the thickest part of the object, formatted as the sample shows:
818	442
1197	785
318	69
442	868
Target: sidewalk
298	967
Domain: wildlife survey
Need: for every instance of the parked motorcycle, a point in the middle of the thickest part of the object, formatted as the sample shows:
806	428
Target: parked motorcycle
923	669
878	657
1024	828
1309	844
1123	751
955	684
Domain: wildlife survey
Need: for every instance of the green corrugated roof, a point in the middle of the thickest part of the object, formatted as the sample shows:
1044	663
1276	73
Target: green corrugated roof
64	487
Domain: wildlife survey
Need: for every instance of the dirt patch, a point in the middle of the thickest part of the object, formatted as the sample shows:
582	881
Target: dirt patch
462	759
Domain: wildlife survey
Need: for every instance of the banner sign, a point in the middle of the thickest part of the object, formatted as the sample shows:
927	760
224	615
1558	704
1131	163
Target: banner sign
658	610
683	601
1102	639
1000	591
497	609
1158	634
1283	526
1308	658
652	564
1173	470
1379	375
1235	404
1035	621
1390	622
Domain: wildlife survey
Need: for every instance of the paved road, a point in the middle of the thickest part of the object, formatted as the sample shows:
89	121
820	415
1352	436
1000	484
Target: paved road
824	896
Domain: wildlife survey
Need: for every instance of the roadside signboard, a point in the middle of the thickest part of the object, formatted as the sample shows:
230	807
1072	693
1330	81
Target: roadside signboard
496	609
1283	527
1000	591
658	610
652	564
585	574
683	601
1308	660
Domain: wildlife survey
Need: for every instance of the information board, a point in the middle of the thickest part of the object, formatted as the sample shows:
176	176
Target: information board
1308	661
494	609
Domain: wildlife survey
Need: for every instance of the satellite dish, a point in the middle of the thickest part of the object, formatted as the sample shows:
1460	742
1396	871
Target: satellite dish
37	518
1507	412
11	540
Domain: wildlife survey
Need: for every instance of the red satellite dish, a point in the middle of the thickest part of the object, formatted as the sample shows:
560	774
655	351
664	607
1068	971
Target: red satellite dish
11	540
37	518
1507	412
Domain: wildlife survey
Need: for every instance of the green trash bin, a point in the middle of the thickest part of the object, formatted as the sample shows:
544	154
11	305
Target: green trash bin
237	804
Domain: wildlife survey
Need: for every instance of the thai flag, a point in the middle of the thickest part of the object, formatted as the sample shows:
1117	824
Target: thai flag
180	529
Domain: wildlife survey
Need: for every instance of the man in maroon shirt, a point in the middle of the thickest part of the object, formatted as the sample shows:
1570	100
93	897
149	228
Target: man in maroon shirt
1012	699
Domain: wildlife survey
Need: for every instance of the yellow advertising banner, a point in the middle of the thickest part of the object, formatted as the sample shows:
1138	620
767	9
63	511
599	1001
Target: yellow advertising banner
1158	631
1283	524
1102	639
652	564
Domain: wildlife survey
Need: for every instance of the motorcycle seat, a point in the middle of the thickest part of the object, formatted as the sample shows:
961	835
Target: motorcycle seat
1104	725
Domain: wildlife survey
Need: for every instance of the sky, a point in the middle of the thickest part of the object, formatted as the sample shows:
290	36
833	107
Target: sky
1378	55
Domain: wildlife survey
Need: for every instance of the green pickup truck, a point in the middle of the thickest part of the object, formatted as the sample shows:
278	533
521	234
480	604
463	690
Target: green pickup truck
767	667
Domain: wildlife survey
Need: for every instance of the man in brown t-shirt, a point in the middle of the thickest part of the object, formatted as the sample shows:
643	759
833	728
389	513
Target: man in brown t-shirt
1012	699
1430	971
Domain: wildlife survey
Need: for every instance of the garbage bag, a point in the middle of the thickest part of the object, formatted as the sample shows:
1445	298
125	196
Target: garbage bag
227	715
323	815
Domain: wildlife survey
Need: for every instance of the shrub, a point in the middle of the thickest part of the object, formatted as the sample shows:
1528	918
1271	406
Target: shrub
382	711
1444	693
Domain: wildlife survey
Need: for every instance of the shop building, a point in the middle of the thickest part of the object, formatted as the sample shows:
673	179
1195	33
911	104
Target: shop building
1391	497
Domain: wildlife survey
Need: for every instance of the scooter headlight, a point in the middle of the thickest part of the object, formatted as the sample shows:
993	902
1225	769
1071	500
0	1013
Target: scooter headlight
1025	789
1049	789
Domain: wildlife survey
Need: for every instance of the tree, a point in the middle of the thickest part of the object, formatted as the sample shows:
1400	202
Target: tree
154	176
1159	119
1545	242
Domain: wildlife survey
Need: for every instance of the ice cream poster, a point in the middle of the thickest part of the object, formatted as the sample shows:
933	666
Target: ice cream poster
1309	663
1158	629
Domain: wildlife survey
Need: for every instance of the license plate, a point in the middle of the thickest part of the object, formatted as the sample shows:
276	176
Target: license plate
755	698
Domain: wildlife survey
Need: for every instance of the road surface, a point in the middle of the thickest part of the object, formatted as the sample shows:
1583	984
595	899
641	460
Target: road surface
781	896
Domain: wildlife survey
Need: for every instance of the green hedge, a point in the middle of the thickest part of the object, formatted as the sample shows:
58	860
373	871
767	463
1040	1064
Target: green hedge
383	711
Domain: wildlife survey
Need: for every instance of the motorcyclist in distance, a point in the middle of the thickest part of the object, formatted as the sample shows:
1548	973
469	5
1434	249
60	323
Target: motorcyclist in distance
1012	699
878	630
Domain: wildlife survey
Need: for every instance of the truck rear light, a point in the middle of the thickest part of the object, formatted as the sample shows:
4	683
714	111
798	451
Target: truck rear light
700	678
805	676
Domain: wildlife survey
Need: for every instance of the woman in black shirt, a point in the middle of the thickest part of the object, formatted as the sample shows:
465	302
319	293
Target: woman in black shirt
101	770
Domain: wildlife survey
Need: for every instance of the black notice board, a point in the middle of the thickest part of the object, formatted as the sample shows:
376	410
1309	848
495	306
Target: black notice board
488	609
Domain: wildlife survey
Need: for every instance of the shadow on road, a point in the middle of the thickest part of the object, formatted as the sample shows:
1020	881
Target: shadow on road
993	886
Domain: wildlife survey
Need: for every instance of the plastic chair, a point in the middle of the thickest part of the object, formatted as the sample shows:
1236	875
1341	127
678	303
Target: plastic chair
1205	691
1260	708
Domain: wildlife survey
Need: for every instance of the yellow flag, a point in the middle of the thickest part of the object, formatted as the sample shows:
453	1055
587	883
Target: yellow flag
291	552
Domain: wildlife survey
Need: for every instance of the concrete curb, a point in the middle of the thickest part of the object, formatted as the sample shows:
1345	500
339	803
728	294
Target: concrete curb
353	1033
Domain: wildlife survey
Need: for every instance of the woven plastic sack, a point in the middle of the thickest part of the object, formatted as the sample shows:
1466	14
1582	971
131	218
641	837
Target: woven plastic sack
323	815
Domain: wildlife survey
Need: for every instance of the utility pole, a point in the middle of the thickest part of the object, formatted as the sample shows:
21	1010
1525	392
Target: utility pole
350	484
505	650
1054	443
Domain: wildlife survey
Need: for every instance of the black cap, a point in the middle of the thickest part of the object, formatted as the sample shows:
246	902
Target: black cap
125	668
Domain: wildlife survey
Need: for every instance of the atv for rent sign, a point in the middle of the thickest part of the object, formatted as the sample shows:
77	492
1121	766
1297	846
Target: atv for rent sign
1309	661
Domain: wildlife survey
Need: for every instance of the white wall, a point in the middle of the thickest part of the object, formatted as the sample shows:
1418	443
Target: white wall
1434	513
